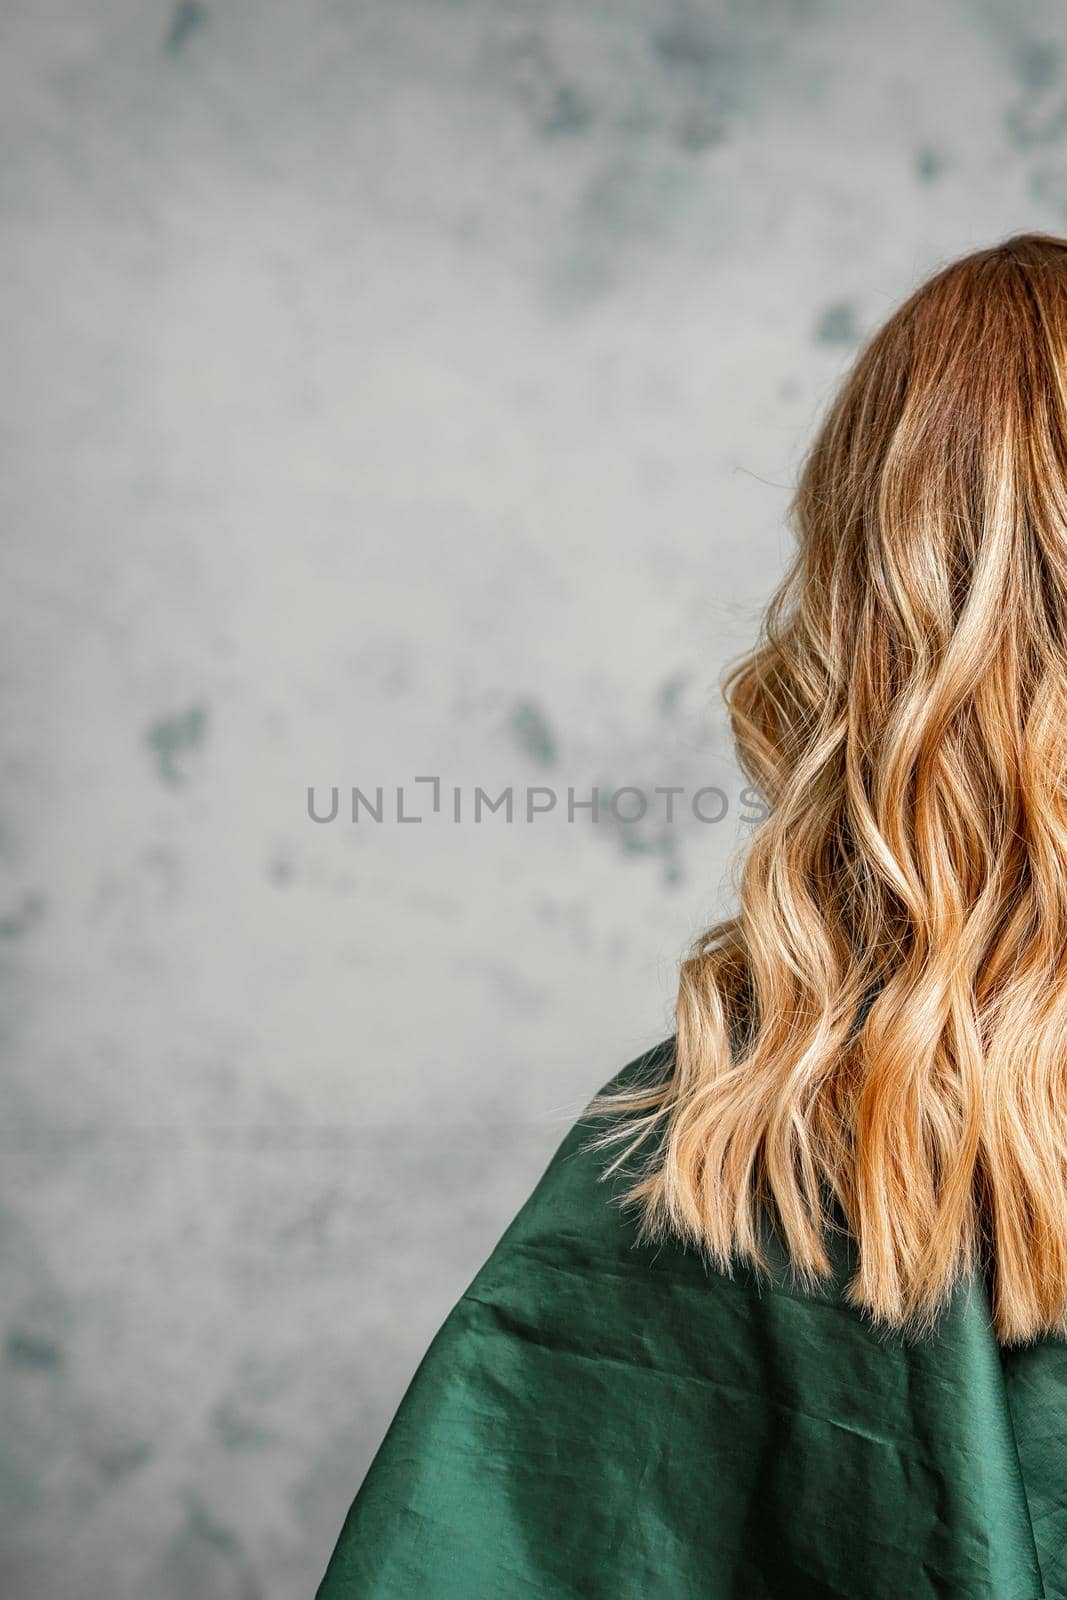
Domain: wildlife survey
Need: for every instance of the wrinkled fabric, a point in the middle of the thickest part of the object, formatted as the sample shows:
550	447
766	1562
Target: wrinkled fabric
608	1420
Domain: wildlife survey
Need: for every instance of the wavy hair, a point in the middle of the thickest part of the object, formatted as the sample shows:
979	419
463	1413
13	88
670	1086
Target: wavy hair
880	1033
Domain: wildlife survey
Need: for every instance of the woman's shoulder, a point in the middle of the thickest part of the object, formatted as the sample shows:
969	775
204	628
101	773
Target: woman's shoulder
579	1196
606	1416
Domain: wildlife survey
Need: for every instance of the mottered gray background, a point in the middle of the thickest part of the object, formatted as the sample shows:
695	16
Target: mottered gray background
390	389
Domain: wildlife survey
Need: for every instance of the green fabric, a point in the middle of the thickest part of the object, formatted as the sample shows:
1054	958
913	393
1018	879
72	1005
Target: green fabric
609	1421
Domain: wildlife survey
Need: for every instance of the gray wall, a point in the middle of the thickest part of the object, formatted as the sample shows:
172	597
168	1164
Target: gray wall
391	389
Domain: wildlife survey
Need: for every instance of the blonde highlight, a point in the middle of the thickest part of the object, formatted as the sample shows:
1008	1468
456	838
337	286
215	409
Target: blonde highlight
881	1029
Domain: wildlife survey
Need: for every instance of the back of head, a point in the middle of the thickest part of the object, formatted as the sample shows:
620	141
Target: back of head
882	1028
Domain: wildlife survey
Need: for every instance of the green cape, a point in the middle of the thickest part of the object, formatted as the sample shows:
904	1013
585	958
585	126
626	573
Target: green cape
601	1419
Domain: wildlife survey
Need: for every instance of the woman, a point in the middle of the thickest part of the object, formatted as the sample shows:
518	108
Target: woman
818	1349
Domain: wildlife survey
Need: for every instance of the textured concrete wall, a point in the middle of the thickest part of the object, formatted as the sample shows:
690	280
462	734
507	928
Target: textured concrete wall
391	389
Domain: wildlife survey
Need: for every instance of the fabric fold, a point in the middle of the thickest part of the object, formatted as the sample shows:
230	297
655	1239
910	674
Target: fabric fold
609	1420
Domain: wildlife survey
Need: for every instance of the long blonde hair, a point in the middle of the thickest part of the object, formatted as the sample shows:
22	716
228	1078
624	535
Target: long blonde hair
881	1030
